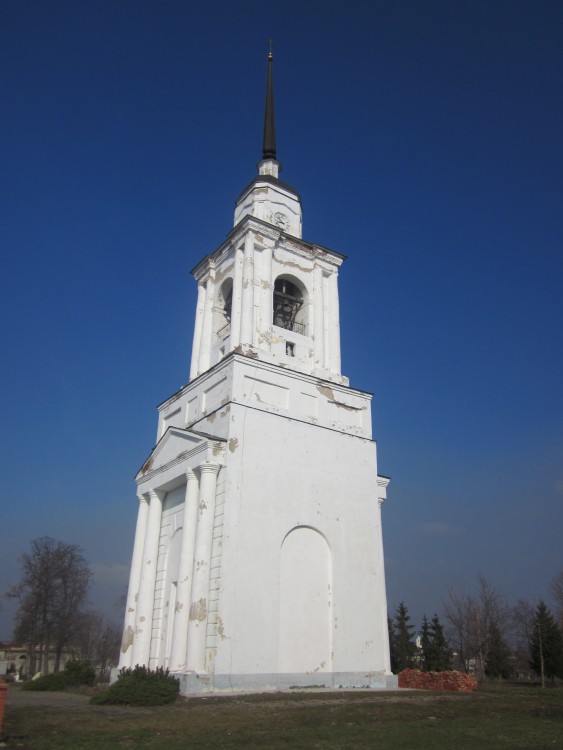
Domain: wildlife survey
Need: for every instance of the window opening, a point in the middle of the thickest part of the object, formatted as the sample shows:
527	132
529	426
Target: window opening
288	300
290	349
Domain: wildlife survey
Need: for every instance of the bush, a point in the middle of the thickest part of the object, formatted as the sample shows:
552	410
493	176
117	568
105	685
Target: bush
74	674
140	686
79	673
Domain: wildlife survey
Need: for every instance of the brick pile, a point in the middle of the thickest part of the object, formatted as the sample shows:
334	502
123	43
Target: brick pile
414	678
3	696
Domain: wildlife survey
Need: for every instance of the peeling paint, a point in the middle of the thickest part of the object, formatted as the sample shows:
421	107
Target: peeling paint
325	391
292	264
233	444
211	418
220	628
217	449
127	639
141	619
179	607
198	610
131	609
202	505
328	393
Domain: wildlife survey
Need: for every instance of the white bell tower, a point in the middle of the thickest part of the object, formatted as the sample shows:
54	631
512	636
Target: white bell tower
258	556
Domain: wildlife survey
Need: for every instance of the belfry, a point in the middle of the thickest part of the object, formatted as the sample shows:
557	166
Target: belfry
258	555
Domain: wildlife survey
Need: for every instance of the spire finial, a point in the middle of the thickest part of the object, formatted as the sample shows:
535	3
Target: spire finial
269	142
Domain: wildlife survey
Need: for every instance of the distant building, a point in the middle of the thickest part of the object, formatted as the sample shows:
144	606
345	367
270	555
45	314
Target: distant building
258	555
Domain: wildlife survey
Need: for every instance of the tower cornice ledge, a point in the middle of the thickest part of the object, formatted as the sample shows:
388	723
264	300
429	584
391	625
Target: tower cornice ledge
265	178
264	228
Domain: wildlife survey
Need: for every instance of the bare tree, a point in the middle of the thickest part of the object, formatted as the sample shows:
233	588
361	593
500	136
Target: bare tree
473	621
523	617
51	594
556	588
107	651
97	641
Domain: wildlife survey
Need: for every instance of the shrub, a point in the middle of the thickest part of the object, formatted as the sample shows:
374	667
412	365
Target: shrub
79	672
74	674
140	686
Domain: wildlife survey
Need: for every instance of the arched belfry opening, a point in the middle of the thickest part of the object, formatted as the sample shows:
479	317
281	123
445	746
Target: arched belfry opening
290	305
224	306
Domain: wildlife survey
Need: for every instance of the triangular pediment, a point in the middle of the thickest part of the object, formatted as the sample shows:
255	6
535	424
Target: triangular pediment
174	445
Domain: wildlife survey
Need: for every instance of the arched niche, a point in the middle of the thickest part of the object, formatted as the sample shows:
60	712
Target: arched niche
290	304
305	624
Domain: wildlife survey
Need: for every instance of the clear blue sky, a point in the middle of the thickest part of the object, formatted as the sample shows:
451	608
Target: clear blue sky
426	141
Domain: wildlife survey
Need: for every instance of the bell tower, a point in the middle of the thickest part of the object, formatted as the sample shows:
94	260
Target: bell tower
258	556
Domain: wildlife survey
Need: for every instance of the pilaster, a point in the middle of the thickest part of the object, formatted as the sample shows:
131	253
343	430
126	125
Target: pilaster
194	369
247	313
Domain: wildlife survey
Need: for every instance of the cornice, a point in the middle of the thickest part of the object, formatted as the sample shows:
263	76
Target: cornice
252	224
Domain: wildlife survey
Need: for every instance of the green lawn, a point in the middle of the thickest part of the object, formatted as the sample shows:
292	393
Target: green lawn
507	717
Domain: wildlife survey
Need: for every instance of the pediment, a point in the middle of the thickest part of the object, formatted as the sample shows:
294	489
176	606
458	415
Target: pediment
175	445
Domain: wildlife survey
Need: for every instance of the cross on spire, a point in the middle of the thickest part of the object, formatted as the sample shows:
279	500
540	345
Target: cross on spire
271	45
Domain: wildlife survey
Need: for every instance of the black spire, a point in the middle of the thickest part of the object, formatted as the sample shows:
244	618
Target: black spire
269	143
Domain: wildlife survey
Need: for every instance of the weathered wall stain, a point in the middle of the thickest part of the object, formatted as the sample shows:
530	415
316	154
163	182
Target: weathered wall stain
127	638
198	610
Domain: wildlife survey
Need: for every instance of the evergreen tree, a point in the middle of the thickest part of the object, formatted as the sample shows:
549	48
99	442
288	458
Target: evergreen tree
499	658
546	645
392	645
425	644
405	648
437	656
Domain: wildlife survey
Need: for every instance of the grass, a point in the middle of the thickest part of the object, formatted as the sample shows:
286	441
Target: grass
494	717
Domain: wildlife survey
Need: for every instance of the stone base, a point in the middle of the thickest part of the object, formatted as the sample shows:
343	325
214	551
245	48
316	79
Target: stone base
217	683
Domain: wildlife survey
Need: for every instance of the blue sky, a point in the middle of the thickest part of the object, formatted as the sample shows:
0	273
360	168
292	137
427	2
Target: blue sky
425	140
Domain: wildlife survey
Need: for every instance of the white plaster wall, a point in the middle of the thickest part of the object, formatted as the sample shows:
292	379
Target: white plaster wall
204	404
282	473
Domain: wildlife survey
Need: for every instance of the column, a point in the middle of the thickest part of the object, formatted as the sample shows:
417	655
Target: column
318	317
143	621
134	582
197	627
247	312
265	286
334	330
237	298
207	325
194	372
177	660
